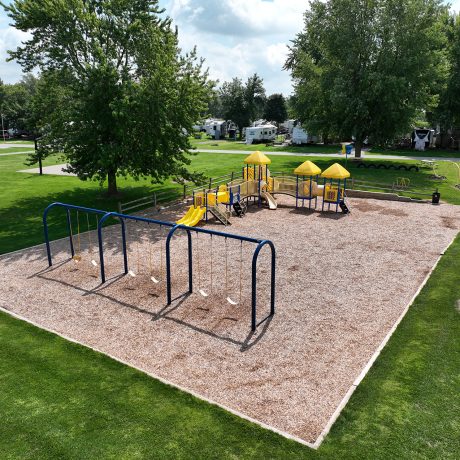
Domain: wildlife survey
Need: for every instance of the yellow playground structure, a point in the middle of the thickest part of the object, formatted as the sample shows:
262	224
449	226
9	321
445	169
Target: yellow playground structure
257	184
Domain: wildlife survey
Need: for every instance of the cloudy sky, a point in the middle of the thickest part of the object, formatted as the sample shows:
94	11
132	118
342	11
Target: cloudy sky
236	37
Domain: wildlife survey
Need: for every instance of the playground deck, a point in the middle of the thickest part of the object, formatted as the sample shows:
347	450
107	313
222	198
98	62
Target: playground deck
342	283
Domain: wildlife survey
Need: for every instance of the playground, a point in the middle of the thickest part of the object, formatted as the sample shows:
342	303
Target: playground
342	283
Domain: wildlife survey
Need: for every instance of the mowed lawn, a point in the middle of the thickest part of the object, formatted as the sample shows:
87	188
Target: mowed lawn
23	197
206	143
61	400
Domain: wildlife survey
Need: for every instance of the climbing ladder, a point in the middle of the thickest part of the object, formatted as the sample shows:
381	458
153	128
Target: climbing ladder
220	213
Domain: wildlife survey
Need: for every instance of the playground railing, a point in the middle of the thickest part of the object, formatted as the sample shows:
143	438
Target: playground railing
369	186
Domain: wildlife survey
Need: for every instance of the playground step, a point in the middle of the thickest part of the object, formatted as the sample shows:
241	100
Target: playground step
220	214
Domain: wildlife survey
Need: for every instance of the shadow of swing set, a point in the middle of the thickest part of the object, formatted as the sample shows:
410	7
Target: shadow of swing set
102	216
257	183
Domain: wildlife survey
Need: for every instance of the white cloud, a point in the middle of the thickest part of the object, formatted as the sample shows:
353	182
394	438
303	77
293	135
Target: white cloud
455	5
240	37
240	17
10	38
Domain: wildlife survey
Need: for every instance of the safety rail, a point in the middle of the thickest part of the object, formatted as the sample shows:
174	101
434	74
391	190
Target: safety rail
371	186
149	201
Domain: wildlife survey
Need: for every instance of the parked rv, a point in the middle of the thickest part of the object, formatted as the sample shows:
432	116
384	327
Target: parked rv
217	129
261	133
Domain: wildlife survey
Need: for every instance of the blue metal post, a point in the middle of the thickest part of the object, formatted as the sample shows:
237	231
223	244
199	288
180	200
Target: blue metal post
254	323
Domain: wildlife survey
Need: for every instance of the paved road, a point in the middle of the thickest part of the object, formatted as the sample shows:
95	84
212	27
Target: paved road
55	169
14	153
331	155
8	146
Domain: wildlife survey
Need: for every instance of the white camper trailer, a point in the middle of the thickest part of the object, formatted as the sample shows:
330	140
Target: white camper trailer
261	133
288	125
299	136
217	129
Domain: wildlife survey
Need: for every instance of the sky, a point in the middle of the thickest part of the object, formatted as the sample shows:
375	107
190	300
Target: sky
236	37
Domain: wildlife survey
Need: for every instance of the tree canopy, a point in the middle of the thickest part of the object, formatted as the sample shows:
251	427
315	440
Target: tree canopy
121	95
448	111
243	103
363	68
275	108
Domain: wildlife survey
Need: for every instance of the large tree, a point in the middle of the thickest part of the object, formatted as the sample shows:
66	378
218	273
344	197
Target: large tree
364	68
16	103
447	114
275	108
125	95
243	103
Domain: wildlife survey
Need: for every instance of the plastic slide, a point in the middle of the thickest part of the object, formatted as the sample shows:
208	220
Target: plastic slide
272	204
188	214
196	217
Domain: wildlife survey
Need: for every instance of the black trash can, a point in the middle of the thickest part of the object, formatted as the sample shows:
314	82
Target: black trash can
435	197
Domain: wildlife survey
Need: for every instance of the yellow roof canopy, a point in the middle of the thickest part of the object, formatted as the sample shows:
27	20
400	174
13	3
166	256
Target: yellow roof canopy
335	171
257	158
307	168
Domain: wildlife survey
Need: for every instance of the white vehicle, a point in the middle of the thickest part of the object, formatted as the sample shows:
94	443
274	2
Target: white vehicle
289	125
260	133
217	129
299	136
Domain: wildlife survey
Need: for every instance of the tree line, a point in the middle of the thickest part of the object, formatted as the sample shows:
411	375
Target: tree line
370	68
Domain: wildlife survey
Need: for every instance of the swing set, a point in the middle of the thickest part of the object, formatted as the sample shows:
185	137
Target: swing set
156	270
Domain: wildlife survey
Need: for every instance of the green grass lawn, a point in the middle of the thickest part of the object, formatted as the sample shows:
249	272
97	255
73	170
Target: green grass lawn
15	149
435	153
23	197
210	144
61	400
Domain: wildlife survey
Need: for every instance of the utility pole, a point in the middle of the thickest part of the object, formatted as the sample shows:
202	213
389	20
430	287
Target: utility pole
3	129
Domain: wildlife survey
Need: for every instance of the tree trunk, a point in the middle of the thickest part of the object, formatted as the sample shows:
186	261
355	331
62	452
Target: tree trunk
241	132
112	179
358	147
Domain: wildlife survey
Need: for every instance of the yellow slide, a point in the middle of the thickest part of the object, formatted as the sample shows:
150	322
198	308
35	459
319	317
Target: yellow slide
188	214
193	216
197	216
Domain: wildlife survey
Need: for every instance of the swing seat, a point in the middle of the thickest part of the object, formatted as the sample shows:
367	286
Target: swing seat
201	291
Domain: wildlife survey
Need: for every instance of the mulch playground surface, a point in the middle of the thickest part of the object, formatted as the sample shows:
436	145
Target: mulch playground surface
342	282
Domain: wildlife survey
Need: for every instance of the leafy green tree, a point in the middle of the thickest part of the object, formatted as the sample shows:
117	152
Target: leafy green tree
448	111
16	104
364	68
125	96
243	103
275	108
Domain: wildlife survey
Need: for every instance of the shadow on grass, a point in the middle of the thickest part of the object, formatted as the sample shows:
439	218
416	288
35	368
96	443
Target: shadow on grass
21	223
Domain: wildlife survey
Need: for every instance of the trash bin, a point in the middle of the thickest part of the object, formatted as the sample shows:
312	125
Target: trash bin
435	197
